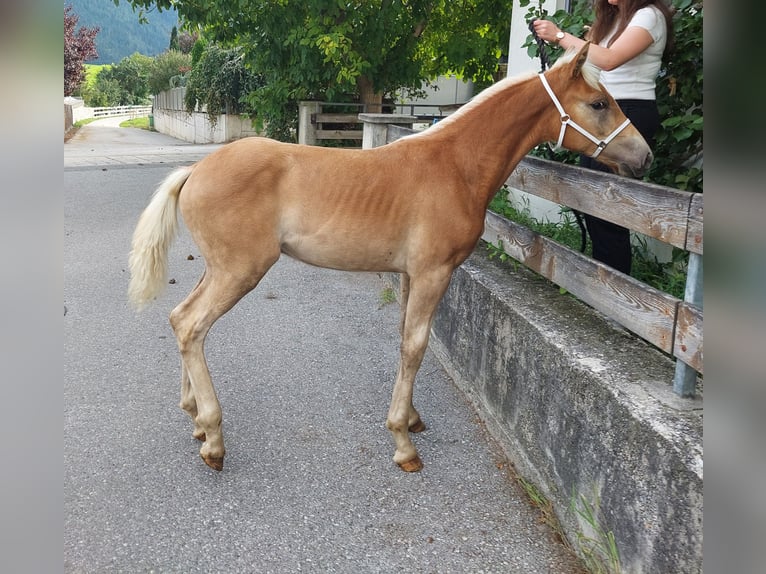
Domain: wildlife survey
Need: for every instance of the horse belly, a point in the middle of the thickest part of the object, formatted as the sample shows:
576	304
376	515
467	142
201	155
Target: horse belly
346	250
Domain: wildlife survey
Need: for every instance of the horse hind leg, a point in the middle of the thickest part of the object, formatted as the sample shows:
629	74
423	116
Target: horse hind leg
189	403
191	321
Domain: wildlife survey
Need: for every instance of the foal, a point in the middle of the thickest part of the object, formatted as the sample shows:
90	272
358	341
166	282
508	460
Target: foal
415	206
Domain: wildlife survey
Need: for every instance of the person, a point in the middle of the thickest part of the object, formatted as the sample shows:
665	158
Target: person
629	40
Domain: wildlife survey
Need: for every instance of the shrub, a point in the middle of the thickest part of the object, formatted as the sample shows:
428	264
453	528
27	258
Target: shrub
219	81
168	71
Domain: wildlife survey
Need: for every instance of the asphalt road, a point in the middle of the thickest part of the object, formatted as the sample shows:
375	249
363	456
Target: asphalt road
304	368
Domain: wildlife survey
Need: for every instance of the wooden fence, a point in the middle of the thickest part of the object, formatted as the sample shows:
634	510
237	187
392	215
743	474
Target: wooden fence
669	215
316	123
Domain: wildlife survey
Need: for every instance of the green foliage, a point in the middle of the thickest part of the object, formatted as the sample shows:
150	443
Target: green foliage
120	84
174	39
168	70
599	549
678	145
326	49
219	82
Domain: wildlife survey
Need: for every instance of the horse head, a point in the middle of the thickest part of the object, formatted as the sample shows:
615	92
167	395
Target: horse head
590	120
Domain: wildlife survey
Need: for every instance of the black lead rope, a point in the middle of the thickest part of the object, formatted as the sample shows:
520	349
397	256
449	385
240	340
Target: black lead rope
542	52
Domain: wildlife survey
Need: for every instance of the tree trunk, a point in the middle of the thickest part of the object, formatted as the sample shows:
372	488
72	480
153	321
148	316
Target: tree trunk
367	95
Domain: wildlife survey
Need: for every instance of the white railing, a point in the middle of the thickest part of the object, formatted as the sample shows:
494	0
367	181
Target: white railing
132	111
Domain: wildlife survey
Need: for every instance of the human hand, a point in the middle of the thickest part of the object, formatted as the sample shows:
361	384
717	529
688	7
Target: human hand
545	30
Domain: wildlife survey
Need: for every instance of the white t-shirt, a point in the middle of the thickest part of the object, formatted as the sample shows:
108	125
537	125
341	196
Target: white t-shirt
635	79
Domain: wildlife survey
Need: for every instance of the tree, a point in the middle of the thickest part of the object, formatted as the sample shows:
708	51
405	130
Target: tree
168	70
218	81
173	39
79	46
329	49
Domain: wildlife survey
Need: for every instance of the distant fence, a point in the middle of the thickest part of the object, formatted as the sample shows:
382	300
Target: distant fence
323	121
669	215
131	111
75	110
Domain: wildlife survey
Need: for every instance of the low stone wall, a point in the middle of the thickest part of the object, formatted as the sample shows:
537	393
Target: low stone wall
196	127
582	408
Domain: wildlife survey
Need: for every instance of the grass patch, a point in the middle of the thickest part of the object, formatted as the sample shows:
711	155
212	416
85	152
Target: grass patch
387	296
85	122
141	123
91	71
599	549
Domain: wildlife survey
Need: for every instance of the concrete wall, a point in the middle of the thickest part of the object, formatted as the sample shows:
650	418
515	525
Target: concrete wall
171	118
582	408
196	127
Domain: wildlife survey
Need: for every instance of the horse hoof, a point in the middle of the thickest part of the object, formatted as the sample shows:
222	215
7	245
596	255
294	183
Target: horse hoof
413	465
417	426
214	462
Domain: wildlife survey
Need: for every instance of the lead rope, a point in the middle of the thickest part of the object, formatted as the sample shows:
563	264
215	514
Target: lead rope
542	53
542	50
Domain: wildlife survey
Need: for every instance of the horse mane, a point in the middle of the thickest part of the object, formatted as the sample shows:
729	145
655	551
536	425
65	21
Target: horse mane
591	73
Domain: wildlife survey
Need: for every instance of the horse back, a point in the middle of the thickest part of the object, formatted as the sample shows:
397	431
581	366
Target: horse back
347	209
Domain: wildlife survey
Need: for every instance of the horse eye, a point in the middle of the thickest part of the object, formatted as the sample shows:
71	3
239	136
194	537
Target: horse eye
600	105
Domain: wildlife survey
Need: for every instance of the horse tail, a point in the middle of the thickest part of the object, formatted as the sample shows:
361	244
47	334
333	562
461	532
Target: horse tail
155	231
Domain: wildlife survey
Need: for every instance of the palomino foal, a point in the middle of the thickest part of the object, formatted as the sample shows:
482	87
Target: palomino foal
415	206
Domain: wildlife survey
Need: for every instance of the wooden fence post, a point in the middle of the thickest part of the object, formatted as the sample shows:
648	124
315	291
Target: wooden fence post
307	129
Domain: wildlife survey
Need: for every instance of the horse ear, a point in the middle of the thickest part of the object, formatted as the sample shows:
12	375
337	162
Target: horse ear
579	60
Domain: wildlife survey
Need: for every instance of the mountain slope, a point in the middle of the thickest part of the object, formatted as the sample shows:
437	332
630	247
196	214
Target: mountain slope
121	33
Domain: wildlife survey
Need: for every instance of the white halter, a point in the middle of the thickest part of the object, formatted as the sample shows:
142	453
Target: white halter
567	121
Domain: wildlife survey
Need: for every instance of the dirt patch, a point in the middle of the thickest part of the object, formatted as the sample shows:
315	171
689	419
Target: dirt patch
68	135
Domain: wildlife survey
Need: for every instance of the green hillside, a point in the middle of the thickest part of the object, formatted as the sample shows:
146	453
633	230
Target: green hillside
121	33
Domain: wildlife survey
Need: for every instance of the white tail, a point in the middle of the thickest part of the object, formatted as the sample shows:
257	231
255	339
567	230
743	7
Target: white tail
154	233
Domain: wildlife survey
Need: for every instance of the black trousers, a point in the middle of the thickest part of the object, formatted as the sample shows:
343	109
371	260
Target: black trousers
611	242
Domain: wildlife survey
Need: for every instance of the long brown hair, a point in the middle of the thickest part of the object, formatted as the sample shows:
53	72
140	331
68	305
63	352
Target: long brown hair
609	17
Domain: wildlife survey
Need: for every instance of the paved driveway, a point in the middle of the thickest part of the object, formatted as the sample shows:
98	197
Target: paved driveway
304	368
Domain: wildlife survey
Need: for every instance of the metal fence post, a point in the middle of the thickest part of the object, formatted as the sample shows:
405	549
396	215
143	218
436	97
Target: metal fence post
685	379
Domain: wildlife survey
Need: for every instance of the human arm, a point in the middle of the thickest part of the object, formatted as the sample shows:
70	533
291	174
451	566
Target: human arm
630	44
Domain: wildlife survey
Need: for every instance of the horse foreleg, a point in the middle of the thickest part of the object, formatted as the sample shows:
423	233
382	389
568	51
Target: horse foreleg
424	296
415	424
404	295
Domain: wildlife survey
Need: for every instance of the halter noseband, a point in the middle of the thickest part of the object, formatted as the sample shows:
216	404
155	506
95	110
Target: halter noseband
567	121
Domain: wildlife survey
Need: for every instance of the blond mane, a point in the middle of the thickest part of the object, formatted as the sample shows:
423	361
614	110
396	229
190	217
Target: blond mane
591	73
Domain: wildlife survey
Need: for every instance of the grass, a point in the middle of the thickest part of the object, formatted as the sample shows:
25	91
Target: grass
599	550
141	123
91	71
387	296
669	277
84	122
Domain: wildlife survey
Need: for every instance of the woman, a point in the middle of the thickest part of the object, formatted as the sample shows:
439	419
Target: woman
630	38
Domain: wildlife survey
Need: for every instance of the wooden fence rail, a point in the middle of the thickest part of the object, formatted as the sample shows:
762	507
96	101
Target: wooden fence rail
317	124
669	215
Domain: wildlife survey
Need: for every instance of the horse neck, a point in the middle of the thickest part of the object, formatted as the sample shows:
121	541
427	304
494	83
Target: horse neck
489	136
